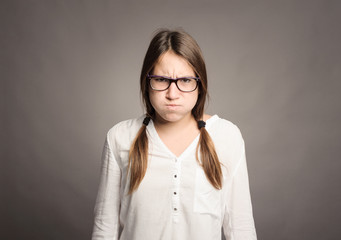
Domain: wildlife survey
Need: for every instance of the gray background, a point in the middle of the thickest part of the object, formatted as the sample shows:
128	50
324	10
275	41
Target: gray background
70	69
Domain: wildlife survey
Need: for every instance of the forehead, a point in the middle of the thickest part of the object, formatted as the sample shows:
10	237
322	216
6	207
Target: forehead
172	65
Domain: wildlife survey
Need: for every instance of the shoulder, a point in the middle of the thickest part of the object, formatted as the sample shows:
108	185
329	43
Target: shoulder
223	128
228	142
125	131
126	126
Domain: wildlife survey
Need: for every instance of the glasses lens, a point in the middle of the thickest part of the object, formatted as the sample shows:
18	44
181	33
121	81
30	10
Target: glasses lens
187	84
159	83
184	84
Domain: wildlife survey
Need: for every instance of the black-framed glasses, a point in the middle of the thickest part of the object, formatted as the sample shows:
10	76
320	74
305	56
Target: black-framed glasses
162	83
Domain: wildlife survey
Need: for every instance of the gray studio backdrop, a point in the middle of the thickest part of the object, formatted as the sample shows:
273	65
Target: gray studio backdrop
70	70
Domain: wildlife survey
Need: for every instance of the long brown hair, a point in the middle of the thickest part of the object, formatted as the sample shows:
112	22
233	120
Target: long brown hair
182	44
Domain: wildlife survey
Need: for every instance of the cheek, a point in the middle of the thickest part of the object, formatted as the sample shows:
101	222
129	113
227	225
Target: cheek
194	98
154	98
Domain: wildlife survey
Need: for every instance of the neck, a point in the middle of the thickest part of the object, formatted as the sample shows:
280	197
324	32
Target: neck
171	127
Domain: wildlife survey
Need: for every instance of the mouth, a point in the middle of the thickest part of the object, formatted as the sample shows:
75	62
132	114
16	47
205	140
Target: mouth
172	106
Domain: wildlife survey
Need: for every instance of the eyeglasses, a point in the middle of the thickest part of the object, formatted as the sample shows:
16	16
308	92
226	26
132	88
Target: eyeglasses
184	84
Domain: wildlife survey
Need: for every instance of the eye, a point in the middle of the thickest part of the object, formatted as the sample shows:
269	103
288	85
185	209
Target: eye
160	79
185	80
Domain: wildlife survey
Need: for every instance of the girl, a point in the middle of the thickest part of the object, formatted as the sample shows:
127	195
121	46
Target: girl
175	173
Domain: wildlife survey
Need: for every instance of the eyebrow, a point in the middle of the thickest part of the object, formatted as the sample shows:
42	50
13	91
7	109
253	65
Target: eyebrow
171	77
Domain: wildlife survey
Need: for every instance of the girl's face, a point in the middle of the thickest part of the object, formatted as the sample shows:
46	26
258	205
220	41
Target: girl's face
172	105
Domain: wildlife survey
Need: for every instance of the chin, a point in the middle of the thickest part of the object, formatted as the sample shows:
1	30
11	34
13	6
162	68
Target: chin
171	117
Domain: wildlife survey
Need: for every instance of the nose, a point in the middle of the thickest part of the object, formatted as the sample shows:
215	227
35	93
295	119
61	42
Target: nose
172	91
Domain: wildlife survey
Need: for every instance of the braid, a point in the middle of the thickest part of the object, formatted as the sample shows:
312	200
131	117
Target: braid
209	158
138	157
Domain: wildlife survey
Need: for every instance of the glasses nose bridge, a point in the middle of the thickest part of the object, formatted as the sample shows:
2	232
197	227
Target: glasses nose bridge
174	80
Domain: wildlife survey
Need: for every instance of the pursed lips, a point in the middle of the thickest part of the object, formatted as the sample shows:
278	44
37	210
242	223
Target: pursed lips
172	106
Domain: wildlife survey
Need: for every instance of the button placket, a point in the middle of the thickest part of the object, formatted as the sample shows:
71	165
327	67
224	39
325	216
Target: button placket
175	190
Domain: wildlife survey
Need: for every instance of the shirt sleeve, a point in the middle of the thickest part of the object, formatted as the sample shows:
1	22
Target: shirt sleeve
238	221
107	207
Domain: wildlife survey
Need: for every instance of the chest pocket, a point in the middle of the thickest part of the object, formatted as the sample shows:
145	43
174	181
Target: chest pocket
207	199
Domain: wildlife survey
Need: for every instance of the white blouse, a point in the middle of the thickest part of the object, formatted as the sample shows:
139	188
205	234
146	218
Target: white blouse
174	200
